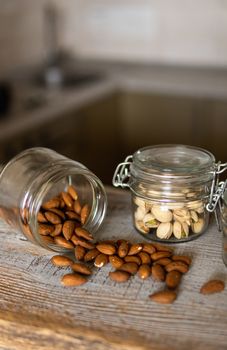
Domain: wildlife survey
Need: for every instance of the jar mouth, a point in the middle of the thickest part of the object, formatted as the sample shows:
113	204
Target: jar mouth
43	188
172	161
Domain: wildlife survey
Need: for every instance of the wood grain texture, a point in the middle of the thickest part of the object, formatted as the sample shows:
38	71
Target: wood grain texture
36	312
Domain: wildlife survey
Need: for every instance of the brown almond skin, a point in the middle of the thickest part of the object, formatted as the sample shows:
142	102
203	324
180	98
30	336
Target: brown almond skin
119	276
73	193
212	286
106	248
158	273
116	261
52	203
57	230
67	199
133	258
149	248
135	248
101	260
163	261
160	255
145	258
123	249
82	242
72	215
186	259
58	212
162	248
80	252
62	242
84	213
91	255
164	297
68	229
45	229
173	279
177	266
48	239
130	267
144	271
81	232
61	260
81	268
52	217
73	280
41	217
77	207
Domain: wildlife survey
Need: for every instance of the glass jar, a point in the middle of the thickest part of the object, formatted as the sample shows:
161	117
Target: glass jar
224	225
170	187
38	175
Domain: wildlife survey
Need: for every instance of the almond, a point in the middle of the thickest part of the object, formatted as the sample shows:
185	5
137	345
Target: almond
145	258
162	248
115	261
148	248
106	248
48	239
81	232
123	249
82	242
41	217
158	273
62	242
173	279
52	217
177	266
101	260
73	193
160	255
186	259
133	258
144	271
119	276
80	252
72	215
135	248
163	261
73	280
91	255
212	286
61	260
130	267
52	203
81	268
67	199
45	229
164	297
77	207
68	229
57	230
58	212
84	213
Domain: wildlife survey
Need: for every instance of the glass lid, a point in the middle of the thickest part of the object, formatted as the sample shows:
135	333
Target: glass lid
177	159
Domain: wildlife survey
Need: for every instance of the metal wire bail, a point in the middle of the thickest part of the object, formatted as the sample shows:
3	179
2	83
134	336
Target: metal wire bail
217	188
122	173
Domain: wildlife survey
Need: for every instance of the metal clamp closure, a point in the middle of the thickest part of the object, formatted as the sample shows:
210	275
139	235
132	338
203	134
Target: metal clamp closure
122	173
217	188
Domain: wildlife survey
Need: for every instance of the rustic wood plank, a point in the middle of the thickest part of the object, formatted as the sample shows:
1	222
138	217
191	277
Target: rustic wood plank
36	312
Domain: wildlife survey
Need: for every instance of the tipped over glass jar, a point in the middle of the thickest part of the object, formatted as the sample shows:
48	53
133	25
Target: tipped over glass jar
41	190
172	189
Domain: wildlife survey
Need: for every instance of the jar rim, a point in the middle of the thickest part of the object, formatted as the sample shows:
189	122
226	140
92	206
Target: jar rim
173	160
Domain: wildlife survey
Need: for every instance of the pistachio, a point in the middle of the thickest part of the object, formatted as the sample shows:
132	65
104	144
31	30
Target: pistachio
140	213
198	226
194	215
150	221
141	227
161	213
139	202
177	230
164	230
185	229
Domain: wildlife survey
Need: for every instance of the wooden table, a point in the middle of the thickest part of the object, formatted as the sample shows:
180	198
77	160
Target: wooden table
36	312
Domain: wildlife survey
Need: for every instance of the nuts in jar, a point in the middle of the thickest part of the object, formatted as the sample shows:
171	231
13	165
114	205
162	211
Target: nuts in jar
170	186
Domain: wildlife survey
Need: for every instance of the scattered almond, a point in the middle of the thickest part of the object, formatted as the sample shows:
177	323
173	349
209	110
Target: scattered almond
106	248
81	268
101	260
73	280
116	261
61	260
133	258
144	271
173	279
160	255
145	258
212	286
80	252
177	266
119	276
149	248
123	249
186	259
130	267
135	248
158	272
91	254
164	297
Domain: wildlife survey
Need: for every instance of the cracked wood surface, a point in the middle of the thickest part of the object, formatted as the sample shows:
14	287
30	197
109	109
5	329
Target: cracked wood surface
36	312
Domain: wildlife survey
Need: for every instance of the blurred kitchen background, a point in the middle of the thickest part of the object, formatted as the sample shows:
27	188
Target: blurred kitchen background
97	79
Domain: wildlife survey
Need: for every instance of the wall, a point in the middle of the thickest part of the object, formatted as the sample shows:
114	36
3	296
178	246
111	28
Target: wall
175	31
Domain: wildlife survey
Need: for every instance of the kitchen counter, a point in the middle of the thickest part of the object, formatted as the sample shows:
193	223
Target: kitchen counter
187	81
36	312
